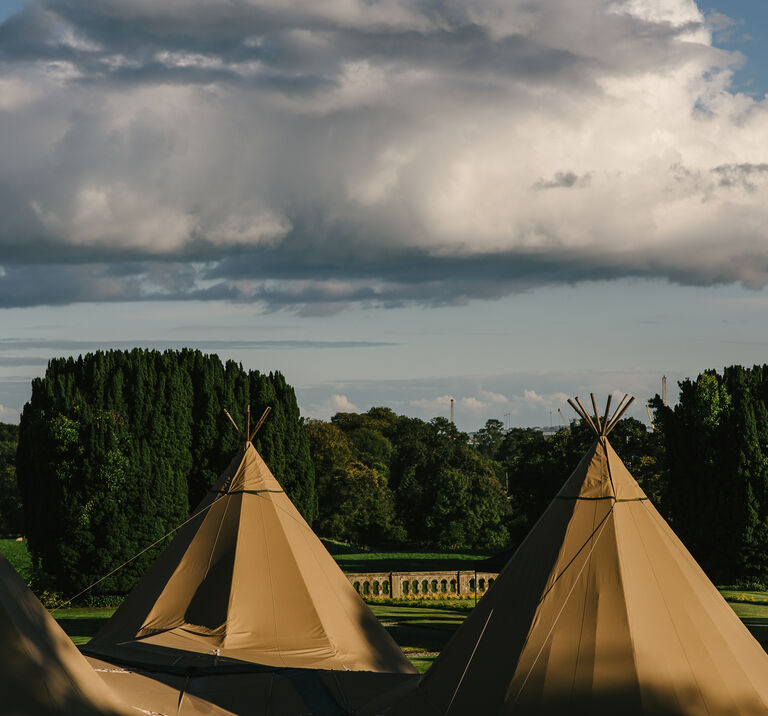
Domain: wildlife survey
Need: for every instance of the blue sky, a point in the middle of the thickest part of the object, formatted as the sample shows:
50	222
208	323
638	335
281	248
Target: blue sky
392	203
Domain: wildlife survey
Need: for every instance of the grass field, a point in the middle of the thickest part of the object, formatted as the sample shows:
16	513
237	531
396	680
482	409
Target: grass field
421	632
16	553
406	561
421	629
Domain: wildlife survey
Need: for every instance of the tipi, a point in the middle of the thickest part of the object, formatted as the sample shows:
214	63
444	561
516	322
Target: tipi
246	579
601	610
41	671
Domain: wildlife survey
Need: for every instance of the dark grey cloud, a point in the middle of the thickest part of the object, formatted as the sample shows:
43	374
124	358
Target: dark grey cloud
74	346
563	180
316	154
745	175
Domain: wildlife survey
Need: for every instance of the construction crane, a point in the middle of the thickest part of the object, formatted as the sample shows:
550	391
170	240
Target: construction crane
650	419
562	417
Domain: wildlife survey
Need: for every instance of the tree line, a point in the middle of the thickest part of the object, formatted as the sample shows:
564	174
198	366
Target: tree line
115	449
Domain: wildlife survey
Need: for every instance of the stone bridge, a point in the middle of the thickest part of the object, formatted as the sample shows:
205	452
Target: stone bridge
412	584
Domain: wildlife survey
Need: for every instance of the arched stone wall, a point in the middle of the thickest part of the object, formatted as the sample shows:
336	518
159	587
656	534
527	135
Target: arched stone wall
416	584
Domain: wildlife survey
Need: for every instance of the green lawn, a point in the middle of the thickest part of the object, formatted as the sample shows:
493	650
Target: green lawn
406	561
16	553
421	632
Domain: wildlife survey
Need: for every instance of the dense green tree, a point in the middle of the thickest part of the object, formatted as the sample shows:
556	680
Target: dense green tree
489	438
355	503
447	494
11	510
116	447
716	441
363	507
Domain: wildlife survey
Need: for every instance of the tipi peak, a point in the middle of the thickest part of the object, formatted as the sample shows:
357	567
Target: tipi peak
604	427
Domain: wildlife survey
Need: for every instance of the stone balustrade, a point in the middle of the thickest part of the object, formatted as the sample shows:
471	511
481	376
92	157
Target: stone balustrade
414	584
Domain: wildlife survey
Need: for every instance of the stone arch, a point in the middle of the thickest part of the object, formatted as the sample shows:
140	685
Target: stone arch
415	586
482	585
366	587
434	586
356	585
472	585
453	586
424	586
406	586
385	587
443	585
490	582
376	588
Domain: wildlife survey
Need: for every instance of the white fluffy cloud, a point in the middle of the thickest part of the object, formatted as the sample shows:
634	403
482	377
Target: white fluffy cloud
345	151
335	404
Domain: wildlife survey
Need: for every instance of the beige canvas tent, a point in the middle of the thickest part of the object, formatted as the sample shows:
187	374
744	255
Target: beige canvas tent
601	610
248	580
41	671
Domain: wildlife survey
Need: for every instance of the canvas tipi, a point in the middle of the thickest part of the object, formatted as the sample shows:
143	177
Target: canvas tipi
601	610
41	671
246	579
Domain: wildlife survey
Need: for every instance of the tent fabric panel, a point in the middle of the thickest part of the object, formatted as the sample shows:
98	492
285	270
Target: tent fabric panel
625	486
208	610
571	653
292	629
494	634
711	660
362	643
170	607
41	671
585	481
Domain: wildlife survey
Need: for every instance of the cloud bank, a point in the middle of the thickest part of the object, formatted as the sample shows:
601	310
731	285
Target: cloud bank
308	155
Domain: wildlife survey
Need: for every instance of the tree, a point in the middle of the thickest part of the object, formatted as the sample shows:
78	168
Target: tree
115	448
489	438
447	495
355	502
716	439
11	510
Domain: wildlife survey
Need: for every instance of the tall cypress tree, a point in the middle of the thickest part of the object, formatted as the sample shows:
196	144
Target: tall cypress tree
115	448
717	452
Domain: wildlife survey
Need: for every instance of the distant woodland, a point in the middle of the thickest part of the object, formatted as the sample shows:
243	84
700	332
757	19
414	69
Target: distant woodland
116	448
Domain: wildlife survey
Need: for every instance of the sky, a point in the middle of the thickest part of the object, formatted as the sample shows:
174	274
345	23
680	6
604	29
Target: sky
392	202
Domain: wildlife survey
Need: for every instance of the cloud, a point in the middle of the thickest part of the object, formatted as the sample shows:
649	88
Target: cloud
63	345
335	404
312	155
8	415
563	180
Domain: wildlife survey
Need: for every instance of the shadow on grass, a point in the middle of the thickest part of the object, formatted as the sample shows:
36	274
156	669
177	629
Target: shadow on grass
81	628
759	628
424	639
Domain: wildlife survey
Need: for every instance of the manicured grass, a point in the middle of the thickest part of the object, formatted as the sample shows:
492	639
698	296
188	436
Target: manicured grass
81	624
350	559
356	562
420	631
16	553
